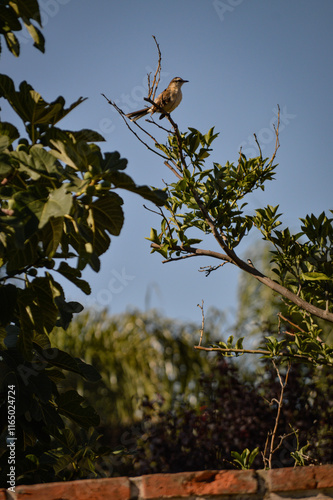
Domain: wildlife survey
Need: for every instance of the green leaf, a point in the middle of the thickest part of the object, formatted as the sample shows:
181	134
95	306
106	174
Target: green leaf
245	459
88	371
124	181
12	43
314	276
69	405
62	360
27	8
86	135
107	213
18	258
62	463
9	19
8	134
66	149
66	310
51	235
30	105
36	35
37	163
74	276
58	204
44	312
44	162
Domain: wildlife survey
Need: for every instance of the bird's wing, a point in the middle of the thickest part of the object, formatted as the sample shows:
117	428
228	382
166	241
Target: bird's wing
164	98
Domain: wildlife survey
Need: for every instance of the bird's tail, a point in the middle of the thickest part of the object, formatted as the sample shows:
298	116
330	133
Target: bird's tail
135	115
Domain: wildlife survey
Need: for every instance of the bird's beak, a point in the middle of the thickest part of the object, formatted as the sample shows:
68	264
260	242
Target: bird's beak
185	81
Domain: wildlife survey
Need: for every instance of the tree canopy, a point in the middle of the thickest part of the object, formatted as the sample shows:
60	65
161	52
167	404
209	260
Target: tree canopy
59	206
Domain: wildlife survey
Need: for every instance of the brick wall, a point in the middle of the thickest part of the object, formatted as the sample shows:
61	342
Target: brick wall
303	482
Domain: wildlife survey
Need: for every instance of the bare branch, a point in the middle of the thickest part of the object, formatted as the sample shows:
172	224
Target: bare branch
209	269
202	321
230	256
156	80
122	114
158	125
173	170
182	257
259	147
196	252
277	142
272	448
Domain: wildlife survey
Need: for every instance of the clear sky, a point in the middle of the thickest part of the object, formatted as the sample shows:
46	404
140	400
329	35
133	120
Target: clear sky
242	58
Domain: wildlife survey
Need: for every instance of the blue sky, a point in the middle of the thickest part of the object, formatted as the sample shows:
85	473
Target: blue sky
241	58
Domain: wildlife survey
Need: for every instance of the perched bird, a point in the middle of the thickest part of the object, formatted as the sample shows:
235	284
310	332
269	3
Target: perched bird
168	100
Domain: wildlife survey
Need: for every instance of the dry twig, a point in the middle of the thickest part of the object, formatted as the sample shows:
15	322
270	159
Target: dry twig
270	441
202	321
157	76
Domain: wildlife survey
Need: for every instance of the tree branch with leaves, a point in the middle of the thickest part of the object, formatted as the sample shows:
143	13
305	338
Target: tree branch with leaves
59	209
207	202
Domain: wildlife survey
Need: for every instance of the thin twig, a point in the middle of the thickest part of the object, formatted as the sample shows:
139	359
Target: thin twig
239	160
177	174
259	147
175	128
182	257
277	142
151	120
209	269
295	326
153	88
272	448
122	114
202	321
162	215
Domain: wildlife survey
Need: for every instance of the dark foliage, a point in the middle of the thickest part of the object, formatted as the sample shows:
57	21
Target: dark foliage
232	415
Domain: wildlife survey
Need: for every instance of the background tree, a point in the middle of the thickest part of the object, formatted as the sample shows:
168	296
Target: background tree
138	355
170	410
58	210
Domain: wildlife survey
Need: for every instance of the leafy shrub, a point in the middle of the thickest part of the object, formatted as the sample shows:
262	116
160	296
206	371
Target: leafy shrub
234	414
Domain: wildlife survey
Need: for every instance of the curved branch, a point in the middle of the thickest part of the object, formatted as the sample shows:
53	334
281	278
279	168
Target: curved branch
262	352
231	257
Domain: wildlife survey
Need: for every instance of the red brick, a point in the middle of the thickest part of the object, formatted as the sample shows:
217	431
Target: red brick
204	483
291	479
117	488
324	476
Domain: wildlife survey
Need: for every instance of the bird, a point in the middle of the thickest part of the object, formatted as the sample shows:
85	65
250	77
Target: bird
167	101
